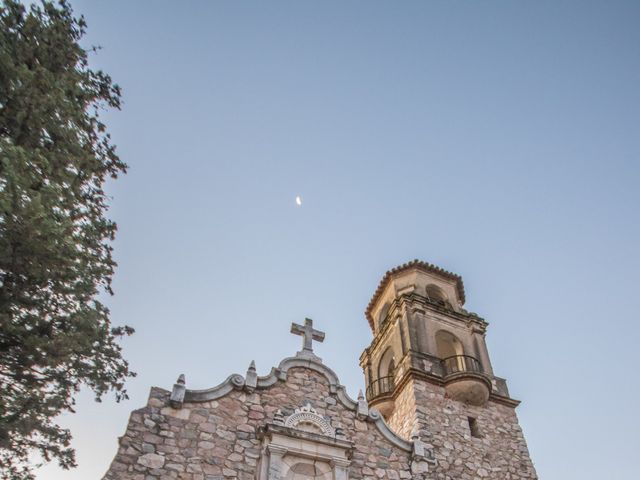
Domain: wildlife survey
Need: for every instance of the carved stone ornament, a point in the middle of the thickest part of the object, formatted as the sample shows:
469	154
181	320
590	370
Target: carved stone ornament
290	453
306	418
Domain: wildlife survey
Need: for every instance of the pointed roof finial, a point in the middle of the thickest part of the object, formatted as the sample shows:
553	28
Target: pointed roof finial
251	380
177	394
363	407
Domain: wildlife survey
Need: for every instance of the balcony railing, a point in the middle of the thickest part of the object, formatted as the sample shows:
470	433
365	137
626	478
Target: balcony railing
461	364
380	386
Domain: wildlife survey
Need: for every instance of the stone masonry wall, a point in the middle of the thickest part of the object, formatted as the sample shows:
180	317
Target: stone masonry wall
402	419
217	439
499	453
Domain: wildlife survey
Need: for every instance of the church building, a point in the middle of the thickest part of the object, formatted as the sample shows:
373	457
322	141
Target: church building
432	409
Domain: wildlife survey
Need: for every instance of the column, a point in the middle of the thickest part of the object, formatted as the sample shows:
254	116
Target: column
483	352
275	462
340	469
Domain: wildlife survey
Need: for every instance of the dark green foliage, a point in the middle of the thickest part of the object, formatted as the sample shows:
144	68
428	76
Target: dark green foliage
55	253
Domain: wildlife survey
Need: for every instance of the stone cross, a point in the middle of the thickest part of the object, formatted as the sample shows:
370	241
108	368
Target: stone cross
308	334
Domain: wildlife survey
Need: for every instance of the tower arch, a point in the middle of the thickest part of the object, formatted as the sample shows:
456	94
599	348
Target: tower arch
436	295
387	363
448	345
382	316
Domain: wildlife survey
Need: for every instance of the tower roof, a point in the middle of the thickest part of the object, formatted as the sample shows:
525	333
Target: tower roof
417	265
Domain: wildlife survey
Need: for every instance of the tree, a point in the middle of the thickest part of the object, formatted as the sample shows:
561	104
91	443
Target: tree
55	240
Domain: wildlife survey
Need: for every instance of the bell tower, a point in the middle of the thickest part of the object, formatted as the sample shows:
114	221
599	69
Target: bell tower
428	372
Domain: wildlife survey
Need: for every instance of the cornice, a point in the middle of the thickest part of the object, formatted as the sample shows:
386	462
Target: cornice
440	382
376	417
417	265
469	320
269	429
383	334
463	316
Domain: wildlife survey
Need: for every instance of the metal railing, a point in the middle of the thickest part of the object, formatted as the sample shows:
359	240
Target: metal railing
461	363
380	386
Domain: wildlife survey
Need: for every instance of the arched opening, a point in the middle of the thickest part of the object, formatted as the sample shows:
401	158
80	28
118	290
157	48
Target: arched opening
436	295
382	316
448	344
450	349
387	365
384	383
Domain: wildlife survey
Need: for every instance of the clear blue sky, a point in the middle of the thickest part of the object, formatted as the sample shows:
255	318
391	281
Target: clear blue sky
499	140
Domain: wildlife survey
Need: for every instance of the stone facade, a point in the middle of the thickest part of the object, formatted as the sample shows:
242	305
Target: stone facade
221	433
441	417
403	419
496	449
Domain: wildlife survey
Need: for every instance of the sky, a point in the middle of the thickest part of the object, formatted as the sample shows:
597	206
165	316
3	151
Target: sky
499	140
